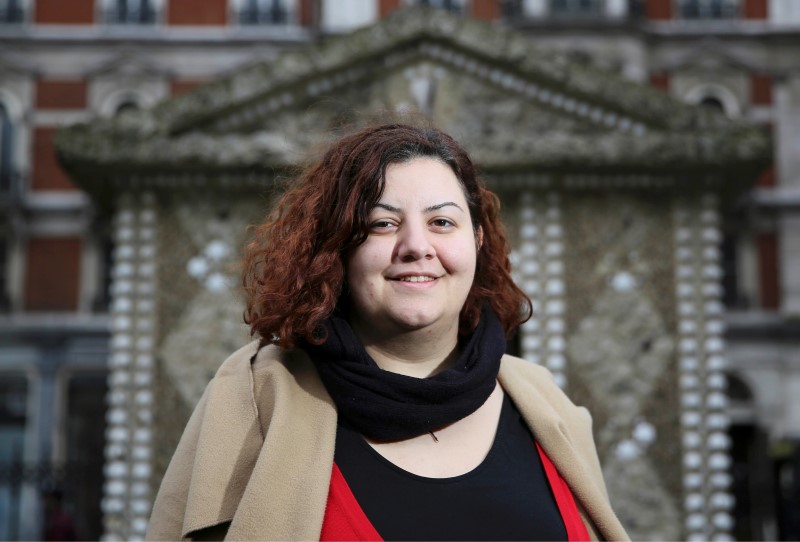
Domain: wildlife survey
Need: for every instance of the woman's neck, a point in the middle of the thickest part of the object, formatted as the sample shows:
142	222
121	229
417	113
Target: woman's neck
418	353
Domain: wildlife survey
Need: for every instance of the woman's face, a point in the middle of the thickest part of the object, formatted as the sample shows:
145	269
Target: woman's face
416	267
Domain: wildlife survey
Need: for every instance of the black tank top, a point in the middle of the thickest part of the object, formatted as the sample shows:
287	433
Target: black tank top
506	497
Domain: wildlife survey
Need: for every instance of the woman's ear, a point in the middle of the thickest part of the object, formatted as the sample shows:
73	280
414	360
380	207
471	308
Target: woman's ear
479	238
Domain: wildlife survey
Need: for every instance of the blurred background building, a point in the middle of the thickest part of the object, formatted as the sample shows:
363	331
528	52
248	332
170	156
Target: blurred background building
63	62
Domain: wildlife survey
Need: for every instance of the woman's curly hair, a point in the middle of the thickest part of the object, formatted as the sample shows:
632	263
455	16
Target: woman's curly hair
294	270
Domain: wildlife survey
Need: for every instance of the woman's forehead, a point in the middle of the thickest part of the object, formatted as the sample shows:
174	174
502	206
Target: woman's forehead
425	181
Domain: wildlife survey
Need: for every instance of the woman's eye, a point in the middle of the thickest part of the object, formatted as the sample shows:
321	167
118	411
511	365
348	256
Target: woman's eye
382	225
442	223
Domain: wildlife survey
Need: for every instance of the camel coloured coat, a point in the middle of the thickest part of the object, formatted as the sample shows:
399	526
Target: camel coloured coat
255	460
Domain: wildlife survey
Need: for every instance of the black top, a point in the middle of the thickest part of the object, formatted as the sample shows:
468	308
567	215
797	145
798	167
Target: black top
506	497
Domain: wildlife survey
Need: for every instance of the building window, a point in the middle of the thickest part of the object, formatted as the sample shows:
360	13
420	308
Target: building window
129	12
453	6
126	106
13	400
585	10
11	12
102	300
732	296
85	443
576	7
709	9
6	151
5	300
258	12
53	277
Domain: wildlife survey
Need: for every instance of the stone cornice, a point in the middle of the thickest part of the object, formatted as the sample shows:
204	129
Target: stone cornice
220	127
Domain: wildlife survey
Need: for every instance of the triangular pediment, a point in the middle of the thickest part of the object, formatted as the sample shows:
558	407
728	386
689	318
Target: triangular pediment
128	63
515	107
716	56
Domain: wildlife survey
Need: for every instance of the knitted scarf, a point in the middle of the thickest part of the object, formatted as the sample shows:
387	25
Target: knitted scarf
382	405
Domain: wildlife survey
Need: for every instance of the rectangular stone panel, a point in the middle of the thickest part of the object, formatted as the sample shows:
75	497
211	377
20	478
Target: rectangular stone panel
47	172
197	12
53	270
760	89
387	6
60	94
768	270
488	10
64	11
659	9
755	9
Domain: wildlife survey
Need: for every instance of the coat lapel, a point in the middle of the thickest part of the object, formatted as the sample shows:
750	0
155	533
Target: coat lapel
288	486
549	414
227	445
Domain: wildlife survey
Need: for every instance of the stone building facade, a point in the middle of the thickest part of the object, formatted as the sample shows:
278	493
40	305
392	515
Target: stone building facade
68	350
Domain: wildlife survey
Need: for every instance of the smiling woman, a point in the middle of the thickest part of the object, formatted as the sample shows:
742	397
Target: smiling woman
413	272
378	402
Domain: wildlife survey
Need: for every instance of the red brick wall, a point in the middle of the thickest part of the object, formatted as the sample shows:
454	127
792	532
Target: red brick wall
658	10
488	10
47	172
197	12
307	13
660	81
767	178
53	271
769	278
760	89
755	9
63	11
60	94
387	6
178	87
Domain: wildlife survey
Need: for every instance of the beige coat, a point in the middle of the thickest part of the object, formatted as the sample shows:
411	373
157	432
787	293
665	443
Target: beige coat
255	460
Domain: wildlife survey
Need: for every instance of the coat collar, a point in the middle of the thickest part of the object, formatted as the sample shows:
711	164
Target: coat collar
283	441
546	410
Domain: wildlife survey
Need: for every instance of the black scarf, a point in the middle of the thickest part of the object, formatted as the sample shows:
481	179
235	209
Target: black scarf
382	405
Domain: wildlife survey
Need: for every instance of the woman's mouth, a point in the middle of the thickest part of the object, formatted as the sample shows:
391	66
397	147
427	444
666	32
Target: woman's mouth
417	278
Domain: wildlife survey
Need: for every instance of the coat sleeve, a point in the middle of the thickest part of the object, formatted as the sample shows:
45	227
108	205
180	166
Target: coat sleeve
169	508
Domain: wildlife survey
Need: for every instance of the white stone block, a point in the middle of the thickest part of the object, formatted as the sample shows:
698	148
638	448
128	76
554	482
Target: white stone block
694	501
115	487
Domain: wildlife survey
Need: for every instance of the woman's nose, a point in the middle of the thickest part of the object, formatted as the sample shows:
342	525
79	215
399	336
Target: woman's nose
414	243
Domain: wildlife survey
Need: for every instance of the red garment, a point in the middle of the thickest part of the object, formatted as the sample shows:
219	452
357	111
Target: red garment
345	520
576	530
59	526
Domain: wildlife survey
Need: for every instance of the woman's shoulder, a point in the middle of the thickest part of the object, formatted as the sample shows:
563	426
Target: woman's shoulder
254	367
531	373
254	358
527	381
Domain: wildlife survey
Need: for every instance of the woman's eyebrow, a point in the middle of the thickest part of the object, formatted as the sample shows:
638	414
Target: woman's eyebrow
388	207
441	205
430	209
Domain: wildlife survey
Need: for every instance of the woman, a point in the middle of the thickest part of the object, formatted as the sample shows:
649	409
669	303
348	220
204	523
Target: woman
378	402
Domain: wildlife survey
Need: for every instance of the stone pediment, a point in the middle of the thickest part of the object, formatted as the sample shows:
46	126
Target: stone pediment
516	108
127	64
716	55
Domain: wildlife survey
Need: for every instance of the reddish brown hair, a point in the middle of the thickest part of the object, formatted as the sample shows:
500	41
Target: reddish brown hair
294	266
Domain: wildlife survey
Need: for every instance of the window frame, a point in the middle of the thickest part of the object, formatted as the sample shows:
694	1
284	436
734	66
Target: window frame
15	12
248	13
463	10
704	10
110	10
